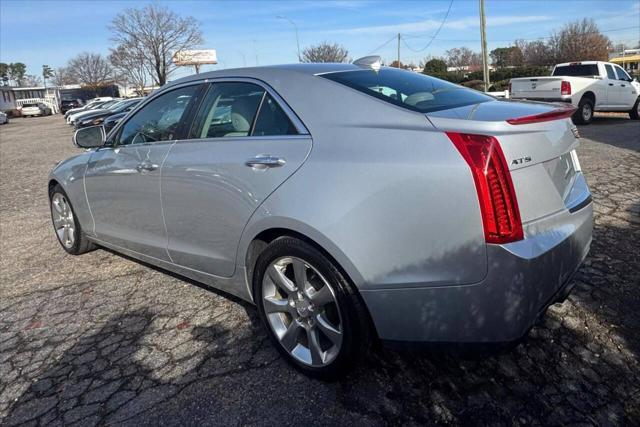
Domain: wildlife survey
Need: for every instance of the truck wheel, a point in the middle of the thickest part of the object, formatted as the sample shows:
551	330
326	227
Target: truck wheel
635	111
584	113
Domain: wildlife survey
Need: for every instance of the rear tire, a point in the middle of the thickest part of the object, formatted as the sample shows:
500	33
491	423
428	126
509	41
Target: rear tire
312	313
66	224
635	111
584	113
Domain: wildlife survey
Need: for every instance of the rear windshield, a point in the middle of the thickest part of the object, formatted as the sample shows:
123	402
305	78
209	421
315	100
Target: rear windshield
576	70
413	91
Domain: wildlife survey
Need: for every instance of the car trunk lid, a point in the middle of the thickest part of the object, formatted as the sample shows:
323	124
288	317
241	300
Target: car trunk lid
538	142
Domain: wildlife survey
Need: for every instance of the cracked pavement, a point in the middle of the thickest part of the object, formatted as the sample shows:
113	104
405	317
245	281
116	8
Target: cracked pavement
101	339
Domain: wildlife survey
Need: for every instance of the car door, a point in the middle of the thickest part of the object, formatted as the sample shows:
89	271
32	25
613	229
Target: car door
244	142
122	180
627	93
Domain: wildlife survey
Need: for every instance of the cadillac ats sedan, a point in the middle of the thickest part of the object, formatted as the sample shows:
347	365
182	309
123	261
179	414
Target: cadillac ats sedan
350	203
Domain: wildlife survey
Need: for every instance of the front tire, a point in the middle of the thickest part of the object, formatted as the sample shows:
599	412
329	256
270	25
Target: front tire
66	225
584	113
312	314
635	111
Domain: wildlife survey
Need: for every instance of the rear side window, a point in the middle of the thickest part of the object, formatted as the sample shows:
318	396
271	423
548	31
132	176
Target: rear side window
577	70
413	91
239	110
610	73
272	120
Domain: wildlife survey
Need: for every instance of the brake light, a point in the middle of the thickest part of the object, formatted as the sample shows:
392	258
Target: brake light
557	114
498	204
565	88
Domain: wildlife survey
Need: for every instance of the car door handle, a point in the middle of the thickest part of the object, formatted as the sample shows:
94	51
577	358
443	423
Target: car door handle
610	84
265	161
146	167
623	85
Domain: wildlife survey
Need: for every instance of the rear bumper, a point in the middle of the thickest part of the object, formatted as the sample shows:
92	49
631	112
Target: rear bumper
523	279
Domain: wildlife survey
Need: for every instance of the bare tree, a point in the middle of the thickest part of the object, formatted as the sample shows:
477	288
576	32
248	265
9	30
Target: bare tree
462	58
325	52
91	70
155	33
579	41
62	76
31	80
130	67
535	52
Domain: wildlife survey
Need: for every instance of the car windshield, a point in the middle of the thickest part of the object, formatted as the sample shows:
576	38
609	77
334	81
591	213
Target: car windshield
413	91
123	105
107	104
576	70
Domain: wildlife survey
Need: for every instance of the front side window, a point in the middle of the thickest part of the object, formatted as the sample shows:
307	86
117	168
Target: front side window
622	75
159	119
413	91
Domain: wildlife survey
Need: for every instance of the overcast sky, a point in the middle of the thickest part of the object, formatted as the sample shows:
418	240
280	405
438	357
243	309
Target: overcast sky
248	32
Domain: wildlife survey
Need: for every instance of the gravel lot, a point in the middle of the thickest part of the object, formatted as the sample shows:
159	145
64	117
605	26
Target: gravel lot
101	339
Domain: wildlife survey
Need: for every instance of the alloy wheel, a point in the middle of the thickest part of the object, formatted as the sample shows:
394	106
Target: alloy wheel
63	220
302	310
586	112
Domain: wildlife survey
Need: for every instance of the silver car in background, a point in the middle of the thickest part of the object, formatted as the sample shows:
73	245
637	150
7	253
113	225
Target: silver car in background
349	202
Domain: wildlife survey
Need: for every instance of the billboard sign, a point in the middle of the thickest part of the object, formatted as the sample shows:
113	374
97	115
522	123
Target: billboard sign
195	57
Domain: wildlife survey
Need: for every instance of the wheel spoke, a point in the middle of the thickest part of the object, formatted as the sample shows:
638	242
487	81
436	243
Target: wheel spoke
71	233
290	338
334	335
322	296
280	280
314	346
56	205
65	235
273	305
58	221
300	273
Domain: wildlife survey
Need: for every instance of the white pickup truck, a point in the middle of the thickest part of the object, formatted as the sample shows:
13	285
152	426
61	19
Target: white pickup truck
588	85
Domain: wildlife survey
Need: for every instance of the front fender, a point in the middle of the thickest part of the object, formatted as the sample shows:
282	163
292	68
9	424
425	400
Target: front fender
69	174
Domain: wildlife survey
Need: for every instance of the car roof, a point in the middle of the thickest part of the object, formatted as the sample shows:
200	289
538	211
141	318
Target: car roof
257	72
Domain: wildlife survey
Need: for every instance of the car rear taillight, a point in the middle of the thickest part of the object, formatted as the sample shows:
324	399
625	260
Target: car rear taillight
565	88
498	204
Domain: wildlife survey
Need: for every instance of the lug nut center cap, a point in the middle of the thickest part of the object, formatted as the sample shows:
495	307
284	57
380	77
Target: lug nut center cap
303	307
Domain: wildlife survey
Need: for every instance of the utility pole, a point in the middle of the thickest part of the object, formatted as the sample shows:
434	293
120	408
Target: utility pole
398	64
485	54
296	28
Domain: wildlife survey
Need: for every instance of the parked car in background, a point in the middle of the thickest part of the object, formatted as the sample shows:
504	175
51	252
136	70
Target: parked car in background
97	117
32	110
588	85
68	104
4	118
91	104
111	121
71	118
347	201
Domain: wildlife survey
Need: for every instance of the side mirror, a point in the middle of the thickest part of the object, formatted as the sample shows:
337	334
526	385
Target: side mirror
89	137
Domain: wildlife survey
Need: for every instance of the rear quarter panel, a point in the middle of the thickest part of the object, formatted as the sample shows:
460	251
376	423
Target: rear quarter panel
382	191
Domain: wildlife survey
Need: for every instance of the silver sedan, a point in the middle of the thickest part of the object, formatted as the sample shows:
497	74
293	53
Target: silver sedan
349	202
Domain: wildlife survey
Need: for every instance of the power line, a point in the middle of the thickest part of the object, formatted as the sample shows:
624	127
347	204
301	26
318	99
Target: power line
435	35
415	36
382	45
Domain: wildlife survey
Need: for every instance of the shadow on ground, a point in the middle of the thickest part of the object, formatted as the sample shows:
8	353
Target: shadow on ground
135	371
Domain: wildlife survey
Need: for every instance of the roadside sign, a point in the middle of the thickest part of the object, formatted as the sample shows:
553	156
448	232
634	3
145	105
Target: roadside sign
195	57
